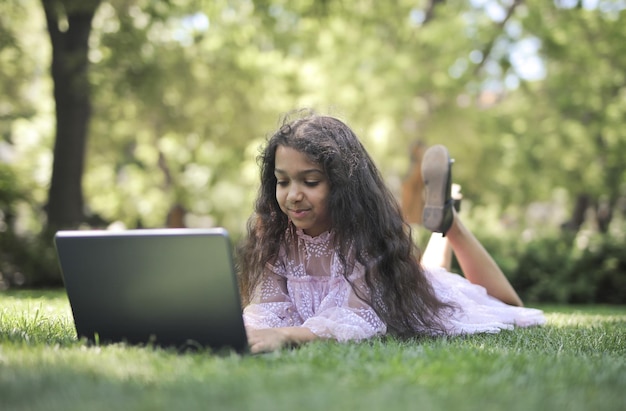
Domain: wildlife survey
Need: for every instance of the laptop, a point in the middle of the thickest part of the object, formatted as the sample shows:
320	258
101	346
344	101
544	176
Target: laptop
162	287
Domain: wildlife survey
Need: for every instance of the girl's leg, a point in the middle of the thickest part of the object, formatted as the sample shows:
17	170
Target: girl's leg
477	264
439	216
438	252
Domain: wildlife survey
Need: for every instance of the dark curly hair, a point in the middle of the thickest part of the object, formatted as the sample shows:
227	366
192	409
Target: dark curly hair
365	217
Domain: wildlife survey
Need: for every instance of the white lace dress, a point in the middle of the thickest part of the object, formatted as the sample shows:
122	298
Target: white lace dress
306	287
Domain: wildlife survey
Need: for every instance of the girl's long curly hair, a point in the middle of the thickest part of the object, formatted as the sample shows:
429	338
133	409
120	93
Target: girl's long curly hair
366	221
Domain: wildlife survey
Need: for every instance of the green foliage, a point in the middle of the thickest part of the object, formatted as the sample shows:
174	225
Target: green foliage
586	41
575	362
18	65
10	193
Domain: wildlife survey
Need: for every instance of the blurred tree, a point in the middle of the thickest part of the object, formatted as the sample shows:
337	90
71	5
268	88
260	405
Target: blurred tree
179	100
69	26
584	47
183	92
560	125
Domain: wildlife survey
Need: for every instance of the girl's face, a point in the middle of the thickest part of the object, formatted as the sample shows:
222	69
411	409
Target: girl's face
302	191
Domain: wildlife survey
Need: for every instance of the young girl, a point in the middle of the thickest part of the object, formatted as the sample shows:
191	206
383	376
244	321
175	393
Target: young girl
328	254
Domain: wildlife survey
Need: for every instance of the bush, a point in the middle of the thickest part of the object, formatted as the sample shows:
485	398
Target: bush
561	267
605	263
26	259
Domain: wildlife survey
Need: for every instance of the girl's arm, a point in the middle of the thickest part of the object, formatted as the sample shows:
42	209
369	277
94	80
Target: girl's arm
270	339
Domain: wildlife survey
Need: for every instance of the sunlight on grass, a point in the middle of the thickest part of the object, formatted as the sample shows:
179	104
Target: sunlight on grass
36	318
584	319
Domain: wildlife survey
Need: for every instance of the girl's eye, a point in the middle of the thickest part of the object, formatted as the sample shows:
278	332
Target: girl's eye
311	183
282	183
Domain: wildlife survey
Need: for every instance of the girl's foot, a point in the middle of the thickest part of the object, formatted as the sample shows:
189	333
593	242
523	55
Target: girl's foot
456	196
437	175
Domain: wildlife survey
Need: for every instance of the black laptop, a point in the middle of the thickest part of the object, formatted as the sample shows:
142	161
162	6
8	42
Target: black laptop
163	287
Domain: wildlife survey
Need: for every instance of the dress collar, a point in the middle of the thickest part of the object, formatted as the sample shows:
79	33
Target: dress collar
319	239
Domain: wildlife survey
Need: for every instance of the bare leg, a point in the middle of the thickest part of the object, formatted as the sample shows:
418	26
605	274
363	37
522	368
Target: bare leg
438	252
477	264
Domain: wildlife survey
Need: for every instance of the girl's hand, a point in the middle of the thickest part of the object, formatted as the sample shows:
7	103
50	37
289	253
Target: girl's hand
271	339
265	340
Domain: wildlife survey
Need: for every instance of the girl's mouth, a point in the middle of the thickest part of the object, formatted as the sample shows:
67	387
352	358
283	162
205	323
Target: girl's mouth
299	213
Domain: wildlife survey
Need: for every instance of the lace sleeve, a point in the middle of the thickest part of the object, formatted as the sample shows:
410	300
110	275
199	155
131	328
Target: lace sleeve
271	305
343	316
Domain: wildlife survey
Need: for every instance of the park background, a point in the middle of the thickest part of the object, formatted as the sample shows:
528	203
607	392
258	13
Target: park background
130	112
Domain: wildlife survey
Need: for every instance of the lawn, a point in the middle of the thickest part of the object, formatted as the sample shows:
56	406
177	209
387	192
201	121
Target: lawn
576	362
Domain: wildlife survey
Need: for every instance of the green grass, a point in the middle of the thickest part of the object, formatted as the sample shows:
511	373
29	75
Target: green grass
576	362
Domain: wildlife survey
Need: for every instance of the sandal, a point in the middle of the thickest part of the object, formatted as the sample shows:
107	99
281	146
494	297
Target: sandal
437	176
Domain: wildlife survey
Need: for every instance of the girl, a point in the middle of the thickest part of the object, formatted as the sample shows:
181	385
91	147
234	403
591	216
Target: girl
328	254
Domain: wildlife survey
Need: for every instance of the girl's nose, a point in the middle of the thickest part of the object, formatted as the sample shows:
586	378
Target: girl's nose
294	194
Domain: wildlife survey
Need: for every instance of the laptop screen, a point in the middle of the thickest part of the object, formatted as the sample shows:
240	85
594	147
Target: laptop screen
168	287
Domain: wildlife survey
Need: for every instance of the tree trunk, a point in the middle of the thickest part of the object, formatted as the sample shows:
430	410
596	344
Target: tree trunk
583	202
413	186
604	214
69	26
